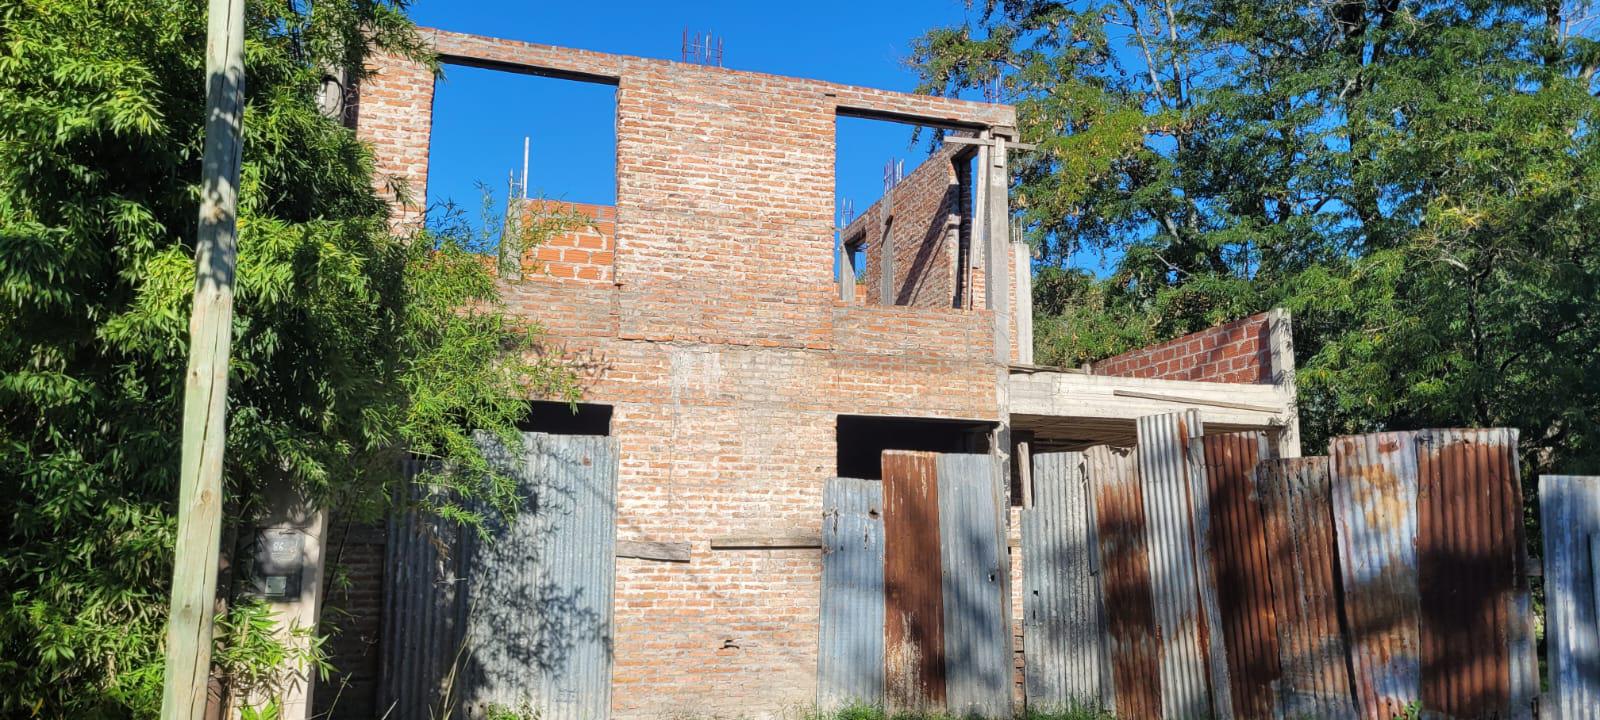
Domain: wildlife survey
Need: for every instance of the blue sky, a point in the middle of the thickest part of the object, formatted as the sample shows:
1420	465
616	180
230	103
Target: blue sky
481	116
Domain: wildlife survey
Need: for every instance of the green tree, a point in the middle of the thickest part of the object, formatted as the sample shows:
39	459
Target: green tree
352	345
1414	179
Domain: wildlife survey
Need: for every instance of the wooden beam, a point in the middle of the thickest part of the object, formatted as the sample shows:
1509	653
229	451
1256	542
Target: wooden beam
649	550
794	540
1195	401
205	394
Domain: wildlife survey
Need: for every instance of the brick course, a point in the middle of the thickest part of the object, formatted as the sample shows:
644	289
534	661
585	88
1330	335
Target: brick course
719	343
1235	352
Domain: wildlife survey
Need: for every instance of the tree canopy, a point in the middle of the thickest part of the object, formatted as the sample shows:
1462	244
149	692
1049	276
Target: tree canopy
352	344
1415	180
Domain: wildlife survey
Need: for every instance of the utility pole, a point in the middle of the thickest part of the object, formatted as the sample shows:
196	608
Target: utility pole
194	571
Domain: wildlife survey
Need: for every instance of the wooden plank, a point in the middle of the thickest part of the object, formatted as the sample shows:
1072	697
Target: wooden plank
1193	400
649	550
795	540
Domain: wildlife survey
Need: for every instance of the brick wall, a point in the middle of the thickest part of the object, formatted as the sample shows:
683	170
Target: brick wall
927	236
725	356
583	254
1235	352
352	613
394	114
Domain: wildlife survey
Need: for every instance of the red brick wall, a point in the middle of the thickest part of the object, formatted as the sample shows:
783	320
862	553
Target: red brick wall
583	254
726	357
352	613
394	113
926	235
1235	352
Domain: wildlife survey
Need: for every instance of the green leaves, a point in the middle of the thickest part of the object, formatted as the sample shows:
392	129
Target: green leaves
1416	181
351	345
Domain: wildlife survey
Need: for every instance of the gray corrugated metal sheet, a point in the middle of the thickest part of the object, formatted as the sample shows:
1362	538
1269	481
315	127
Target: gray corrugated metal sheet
1063	629
422	609
1569	508
850	636
539	597
1375	513
1135	647
1477	652
972	548
1299	532
1166	476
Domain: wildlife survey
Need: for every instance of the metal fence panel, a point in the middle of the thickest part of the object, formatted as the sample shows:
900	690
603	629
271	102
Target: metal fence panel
422	609
1295	500
914	662
540	592
972	548
1125	581
850	649
1375	513
1066	654
1240	558
1569	508
1165	472
1477	652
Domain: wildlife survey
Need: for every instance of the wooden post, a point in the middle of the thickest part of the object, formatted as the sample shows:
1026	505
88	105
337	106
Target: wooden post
194	572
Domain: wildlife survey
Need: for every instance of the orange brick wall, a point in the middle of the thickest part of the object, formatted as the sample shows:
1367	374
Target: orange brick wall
583	254
1235	352
719	343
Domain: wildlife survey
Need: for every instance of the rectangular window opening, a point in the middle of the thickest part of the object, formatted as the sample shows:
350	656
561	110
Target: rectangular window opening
559	418
905	207
522	167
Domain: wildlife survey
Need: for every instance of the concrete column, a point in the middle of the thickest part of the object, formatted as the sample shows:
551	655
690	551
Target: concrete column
1280	335
289	555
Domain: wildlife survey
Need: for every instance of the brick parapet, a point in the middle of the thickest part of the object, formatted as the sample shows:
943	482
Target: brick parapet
1235	352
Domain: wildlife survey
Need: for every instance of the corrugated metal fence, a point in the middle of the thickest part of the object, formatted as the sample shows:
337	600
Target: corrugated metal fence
423	613
1064	630
1185	599
521	621
1298	521
1240	557
1570	513
850	654
1221	574
915	611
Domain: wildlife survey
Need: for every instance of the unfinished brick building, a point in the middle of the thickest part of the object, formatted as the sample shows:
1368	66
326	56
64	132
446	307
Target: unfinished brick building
736	362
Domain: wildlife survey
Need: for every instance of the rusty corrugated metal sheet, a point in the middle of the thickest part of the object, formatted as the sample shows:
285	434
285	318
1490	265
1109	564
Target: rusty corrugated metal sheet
914	604
423	612
1295	499
1477	657
850	636
1239	558
973	556
1375	515
1569	510
539	591
1125	581
1168	476
1063	630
